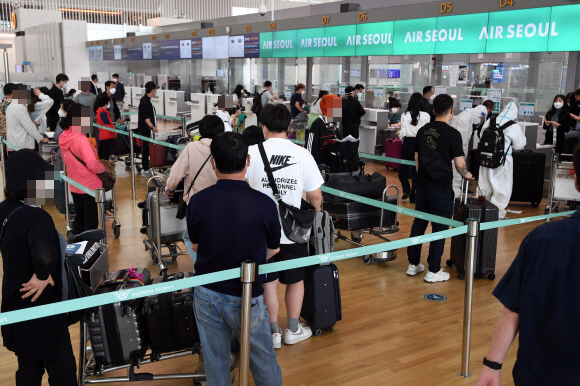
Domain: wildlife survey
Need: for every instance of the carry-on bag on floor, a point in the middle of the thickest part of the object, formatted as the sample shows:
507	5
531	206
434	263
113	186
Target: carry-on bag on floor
393	148
486	242
157	155
170	319
322	237
353	215
117	331
321	307
369	186
528	177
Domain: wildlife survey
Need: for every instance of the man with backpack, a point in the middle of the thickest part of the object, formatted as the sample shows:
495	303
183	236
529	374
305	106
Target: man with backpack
436	147
261	98
499	137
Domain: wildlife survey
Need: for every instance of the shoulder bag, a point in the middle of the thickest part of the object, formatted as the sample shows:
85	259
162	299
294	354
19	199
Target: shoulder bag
182	206
107	178
296	223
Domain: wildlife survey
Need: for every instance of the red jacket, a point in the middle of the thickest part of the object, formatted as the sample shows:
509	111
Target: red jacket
104	119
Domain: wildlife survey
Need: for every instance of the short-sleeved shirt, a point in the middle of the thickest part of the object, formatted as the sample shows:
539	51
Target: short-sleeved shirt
543	286
297	97
444	139
246	218
294	170
146	110
266	96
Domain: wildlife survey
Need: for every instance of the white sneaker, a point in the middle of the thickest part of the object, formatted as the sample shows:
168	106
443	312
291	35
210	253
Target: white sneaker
277	340
304	332
146	173
413	270
435	277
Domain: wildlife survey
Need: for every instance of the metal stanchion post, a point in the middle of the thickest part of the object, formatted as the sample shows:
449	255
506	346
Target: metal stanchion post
100	199
183	129
472	233
158	226
3	161
131	139
247	278
66	207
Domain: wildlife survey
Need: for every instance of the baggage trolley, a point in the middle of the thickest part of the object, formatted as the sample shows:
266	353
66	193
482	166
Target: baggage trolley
161	226
388	224
562	193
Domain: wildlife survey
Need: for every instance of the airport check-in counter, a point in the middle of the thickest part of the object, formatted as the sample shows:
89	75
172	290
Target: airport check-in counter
175	103
530	130
197	106
210	102
158	101
372	123
136	96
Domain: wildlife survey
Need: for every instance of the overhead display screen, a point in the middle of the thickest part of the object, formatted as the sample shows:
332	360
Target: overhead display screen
545	29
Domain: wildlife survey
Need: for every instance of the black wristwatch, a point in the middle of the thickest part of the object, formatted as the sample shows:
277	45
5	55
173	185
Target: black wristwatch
492	365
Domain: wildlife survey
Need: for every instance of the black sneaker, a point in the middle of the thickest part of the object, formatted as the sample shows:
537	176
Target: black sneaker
405	196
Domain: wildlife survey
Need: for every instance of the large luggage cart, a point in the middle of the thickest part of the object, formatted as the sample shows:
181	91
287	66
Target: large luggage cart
562	193
160	225
362	219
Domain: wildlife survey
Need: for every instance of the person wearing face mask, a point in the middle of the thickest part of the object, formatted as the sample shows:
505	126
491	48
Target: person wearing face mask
428	95
110	90
498	182
296	102
352	111
119	93
20	130
557	123
103	118
57	95
37	108
147	123
76	150
395	117
358	90
61	113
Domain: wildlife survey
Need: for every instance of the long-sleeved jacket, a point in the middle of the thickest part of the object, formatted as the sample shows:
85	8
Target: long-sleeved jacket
52	117
82	148
21	131
40	110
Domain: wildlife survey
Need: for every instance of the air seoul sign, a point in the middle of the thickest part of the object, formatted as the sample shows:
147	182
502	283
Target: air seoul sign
528	30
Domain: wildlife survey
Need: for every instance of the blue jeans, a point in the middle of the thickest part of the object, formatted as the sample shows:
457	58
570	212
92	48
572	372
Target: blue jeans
187	243
440	203
217	315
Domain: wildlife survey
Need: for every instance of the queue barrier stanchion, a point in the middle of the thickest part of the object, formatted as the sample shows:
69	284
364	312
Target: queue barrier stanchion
132	149
100	199
248	276
472	234
183	129
2	150
66	204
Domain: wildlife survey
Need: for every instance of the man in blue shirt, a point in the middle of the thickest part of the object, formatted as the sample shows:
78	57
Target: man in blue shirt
541	297
119	91
249	221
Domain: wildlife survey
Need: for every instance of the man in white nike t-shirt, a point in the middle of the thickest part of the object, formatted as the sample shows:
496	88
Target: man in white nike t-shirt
295	172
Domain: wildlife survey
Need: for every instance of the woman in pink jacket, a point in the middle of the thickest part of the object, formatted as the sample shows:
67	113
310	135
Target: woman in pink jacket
75	147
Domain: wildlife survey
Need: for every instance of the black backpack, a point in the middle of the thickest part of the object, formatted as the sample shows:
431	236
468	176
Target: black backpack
491	147
257	103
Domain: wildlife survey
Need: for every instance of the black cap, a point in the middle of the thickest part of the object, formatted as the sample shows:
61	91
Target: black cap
23	166
349	89
150	86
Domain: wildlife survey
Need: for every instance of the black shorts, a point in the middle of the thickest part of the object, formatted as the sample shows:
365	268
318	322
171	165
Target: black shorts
288	252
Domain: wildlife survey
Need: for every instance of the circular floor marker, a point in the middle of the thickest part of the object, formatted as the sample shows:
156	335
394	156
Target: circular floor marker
436	297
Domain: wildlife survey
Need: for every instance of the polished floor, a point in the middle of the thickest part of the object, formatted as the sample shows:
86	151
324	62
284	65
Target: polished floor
390	334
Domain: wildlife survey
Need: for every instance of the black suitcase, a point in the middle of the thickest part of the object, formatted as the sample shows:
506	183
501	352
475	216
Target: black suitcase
353	215
117	331
321	307
369	186
170	319
528	177
486	242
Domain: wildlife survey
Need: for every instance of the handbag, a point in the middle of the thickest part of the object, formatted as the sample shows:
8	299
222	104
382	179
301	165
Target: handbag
107	178
296	223
182	206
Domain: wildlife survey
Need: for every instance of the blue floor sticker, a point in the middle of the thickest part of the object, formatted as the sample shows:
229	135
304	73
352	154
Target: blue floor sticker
436	297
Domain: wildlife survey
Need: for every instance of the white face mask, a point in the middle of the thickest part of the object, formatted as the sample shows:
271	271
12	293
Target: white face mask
394	110
61	114
108	106
558	105
432	97
359	94
113	90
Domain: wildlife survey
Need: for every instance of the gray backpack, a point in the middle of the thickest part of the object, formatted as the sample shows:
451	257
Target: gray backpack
322	235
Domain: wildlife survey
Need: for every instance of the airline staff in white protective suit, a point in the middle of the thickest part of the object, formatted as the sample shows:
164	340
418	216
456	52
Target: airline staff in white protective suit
498	182
464	123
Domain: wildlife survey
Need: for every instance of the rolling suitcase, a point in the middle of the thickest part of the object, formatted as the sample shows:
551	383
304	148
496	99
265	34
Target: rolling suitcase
353	215
486	242
117	331
393	149
369	186
170	319
172	228
321	307
528	177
